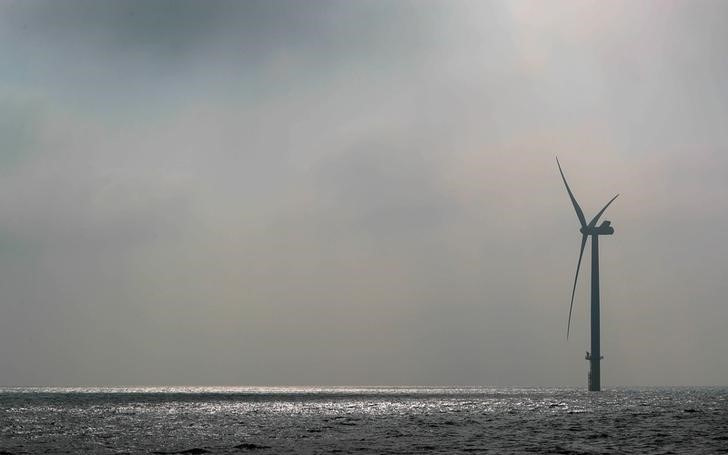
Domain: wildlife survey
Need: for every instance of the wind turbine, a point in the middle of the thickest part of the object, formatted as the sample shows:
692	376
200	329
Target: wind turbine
594	231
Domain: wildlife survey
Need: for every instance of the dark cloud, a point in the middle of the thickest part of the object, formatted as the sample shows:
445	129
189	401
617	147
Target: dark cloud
247	30
164	28
127	53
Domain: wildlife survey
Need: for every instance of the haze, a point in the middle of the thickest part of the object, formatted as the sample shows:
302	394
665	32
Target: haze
362	193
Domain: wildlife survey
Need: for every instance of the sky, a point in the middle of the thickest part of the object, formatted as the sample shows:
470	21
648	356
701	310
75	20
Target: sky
360	193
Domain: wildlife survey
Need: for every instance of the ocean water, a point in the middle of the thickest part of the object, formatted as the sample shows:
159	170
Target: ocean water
398	420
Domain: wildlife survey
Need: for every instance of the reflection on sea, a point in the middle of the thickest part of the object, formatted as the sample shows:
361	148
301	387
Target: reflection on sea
354	419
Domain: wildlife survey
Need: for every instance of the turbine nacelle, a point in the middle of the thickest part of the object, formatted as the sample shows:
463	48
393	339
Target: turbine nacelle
602	229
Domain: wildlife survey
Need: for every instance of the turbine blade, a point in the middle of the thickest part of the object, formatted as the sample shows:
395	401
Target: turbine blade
579	213
576	277
594	220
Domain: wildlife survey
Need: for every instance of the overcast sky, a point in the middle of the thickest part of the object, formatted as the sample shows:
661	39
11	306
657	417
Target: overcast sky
360	193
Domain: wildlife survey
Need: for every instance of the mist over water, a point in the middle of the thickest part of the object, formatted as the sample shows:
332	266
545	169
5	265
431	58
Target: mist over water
359	192
363	420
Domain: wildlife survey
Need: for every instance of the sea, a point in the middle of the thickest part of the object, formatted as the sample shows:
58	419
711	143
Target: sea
362	420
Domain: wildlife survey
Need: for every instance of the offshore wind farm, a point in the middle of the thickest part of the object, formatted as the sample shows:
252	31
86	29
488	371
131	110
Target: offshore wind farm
331	226
590	230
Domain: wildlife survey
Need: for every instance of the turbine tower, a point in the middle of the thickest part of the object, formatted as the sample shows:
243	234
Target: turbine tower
594	231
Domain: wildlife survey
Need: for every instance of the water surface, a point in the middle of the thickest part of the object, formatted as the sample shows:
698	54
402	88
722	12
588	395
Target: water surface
362	420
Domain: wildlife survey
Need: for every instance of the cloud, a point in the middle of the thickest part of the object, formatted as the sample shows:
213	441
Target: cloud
355	192
391	194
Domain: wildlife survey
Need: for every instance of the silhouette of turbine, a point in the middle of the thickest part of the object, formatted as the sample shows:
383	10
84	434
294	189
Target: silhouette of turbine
594	231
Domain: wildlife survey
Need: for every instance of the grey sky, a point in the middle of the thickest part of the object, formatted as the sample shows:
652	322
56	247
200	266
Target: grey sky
359	192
